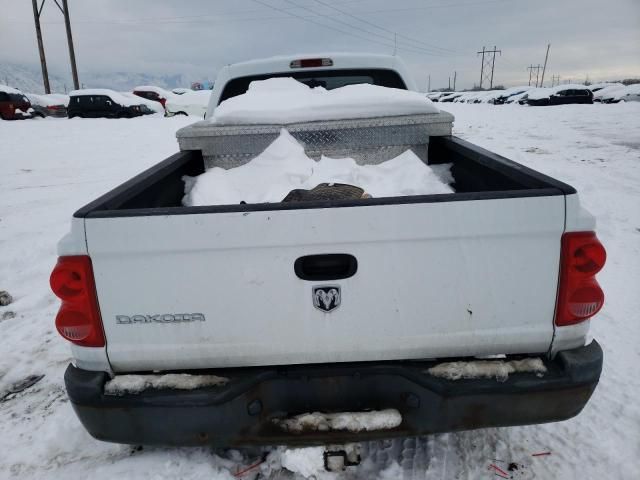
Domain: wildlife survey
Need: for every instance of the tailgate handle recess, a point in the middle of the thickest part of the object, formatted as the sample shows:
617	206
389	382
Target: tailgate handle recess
327	266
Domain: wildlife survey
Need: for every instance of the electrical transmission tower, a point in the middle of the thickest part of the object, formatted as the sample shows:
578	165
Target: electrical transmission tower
554	79
531	69
488	62
64	9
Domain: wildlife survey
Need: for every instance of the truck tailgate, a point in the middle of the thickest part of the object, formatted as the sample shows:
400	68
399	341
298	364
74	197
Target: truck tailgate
458	278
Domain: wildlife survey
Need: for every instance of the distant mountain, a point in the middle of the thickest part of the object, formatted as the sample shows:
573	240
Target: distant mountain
29	79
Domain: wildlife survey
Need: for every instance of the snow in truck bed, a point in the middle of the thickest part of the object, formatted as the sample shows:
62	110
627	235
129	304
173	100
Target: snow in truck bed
282	101
284	166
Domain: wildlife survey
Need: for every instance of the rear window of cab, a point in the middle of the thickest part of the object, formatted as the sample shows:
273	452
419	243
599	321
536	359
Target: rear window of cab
328	79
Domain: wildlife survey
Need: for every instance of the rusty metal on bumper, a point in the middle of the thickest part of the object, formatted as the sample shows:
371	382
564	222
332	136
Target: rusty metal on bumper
241	413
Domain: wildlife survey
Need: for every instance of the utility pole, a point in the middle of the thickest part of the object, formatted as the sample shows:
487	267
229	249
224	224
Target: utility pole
544	69
481	67
531	69
455	74
489	58
493	65
43	60
429	84
449	84
72	54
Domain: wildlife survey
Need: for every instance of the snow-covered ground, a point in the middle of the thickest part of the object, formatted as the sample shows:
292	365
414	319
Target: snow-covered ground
53	166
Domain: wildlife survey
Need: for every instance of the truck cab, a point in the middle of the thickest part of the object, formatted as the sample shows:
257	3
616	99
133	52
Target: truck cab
330	70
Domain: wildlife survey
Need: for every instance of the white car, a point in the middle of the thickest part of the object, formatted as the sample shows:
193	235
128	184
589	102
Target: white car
629	93
596	87
193	103
607	93
49	105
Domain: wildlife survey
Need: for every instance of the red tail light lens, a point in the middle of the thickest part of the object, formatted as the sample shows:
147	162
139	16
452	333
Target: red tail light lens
78	319
579	296
311	62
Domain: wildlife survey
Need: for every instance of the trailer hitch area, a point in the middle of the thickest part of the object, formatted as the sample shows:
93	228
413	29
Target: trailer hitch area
338	457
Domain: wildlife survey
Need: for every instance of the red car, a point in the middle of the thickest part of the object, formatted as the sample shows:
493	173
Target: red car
150	92
14	105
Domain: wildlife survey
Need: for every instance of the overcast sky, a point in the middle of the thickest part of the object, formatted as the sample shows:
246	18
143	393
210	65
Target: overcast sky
597	38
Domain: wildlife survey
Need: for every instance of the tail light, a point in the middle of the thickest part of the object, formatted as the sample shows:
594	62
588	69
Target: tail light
78	319
579	295
311	62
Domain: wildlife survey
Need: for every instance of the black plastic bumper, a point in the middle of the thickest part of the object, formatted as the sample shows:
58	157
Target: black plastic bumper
242	412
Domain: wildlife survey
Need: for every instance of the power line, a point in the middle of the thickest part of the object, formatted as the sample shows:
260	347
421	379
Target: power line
324	25
202	18
369	32
383	28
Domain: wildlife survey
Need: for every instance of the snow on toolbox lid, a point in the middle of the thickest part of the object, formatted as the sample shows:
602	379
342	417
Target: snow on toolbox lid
366	140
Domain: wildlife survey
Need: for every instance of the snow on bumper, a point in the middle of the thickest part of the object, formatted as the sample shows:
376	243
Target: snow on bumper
249	408
497	369
350	421
123	384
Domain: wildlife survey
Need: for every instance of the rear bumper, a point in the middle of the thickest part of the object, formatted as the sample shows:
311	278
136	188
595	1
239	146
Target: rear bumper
241	413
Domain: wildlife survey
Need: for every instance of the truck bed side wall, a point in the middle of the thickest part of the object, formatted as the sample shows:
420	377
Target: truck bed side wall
478	174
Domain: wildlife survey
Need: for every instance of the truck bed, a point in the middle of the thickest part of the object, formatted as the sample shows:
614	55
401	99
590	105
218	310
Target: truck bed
470	273
478	175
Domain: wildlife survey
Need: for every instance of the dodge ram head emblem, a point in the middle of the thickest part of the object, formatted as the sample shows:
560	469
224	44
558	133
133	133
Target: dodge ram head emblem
326	298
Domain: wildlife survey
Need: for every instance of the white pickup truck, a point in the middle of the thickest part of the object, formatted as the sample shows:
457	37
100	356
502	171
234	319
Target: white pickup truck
202	325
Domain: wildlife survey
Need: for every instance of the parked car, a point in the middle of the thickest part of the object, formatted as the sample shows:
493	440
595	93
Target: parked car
596	87
193	103
450	97
513	99
152	93
99	102
505	95
605	94
49	105
269	311
629	93
14	105
560	95
435	96
150	106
